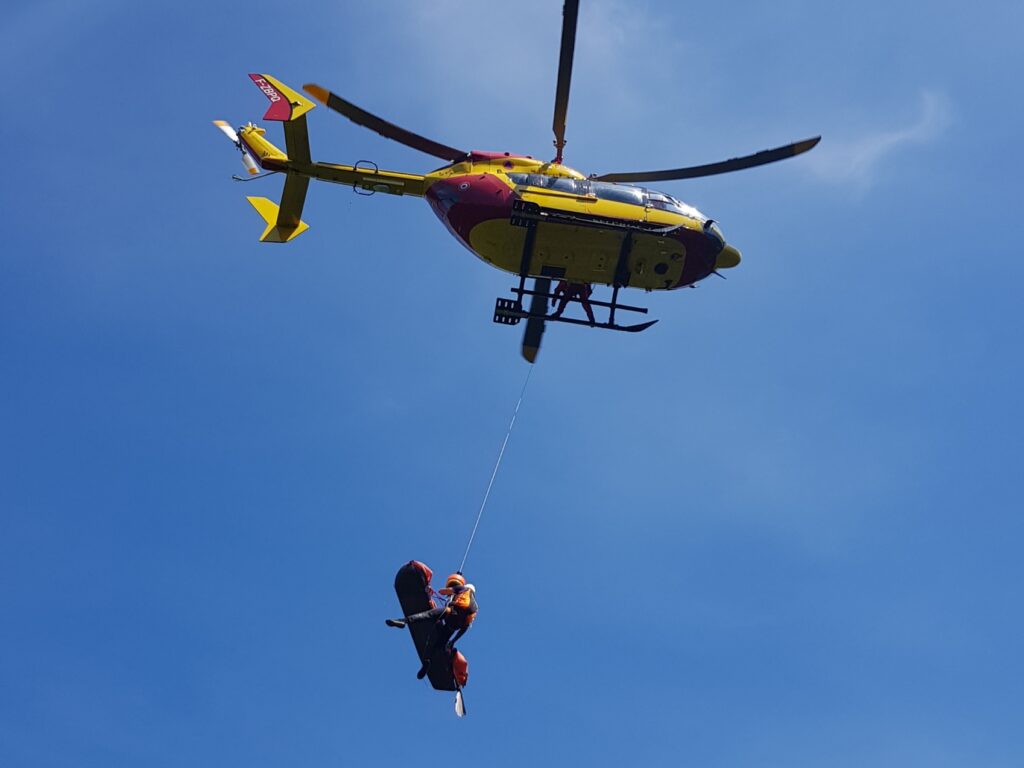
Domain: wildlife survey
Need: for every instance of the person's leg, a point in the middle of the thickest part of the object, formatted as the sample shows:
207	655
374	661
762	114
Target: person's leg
587	308
562	304
450	645
433	613
440	635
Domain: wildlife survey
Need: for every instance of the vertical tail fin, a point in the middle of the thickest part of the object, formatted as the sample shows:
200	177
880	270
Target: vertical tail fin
288	107
285	104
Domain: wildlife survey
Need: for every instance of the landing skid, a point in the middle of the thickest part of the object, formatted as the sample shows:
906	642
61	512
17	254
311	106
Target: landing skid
510	312
607	326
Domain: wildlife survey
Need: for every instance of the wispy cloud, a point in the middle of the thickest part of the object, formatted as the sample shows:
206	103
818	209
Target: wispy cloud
500	71
856	161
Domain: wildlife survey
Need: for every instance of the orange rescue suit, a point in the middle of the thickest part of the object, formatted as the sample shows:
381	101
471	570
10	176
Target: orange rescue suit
463	604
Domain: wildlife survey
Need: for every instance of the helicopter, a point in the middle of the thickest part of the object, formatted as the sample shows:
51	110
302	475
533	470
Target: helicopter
538	220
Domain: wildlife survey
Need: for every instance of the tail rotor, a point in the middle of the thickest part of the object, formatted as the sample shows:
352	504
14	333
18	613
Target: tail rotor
247	161
283	220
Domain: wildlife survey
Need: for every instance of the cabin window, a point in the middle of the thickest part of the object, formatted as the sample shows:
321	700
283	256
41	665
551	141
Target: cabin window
557	183
619	193
563	184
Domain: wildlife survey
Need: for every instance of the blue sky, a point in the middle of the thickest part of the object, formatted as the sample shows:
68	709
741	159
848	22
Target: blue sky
781	527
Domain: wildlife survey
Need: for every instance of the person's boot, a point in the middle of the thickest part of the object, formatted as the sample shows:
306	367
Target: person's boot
398	623
423	670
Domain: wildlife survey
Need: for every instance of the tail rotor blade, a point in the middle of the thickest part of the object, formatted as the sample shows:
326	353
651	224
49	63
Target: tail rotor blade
250	164
227	130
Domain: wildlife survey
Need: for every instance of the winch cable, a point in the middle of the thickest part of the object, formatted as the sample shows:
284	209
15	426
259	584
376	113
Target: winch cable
497	464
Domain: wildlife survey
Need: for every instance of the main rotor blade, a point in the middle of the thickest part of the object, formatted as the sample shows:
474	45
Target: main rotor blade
535	325
713	169
381	126
569	13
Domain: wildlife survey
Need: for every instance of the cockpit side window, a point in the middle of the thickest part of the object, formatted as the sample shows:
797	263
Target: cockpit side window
663	202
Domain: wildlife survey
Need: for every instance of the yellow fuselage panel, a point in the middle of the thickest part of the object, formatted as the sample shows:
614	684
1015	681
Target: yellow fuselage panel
586	254
502	164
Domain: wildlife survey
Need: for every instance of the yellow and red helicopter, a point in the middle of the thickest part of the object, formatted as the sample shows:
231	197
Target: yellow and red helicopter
535	219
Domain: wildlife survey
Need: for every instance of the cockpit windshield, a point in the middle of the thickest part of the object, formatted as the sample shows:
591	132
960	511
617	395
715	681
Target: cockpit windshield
664	202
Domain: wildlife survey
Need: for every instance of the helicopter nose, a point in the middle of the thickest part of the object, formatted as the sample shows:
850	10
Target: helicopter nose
727	258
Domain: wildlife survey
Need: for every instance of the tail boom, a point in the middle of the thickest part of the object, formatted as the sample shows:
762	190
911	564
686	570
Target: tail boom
284	222
370	179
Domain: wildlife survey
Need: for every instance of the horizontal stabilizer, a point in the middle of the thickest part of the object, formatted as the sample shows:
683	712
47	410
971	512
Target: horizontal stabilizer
285	104
277	231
